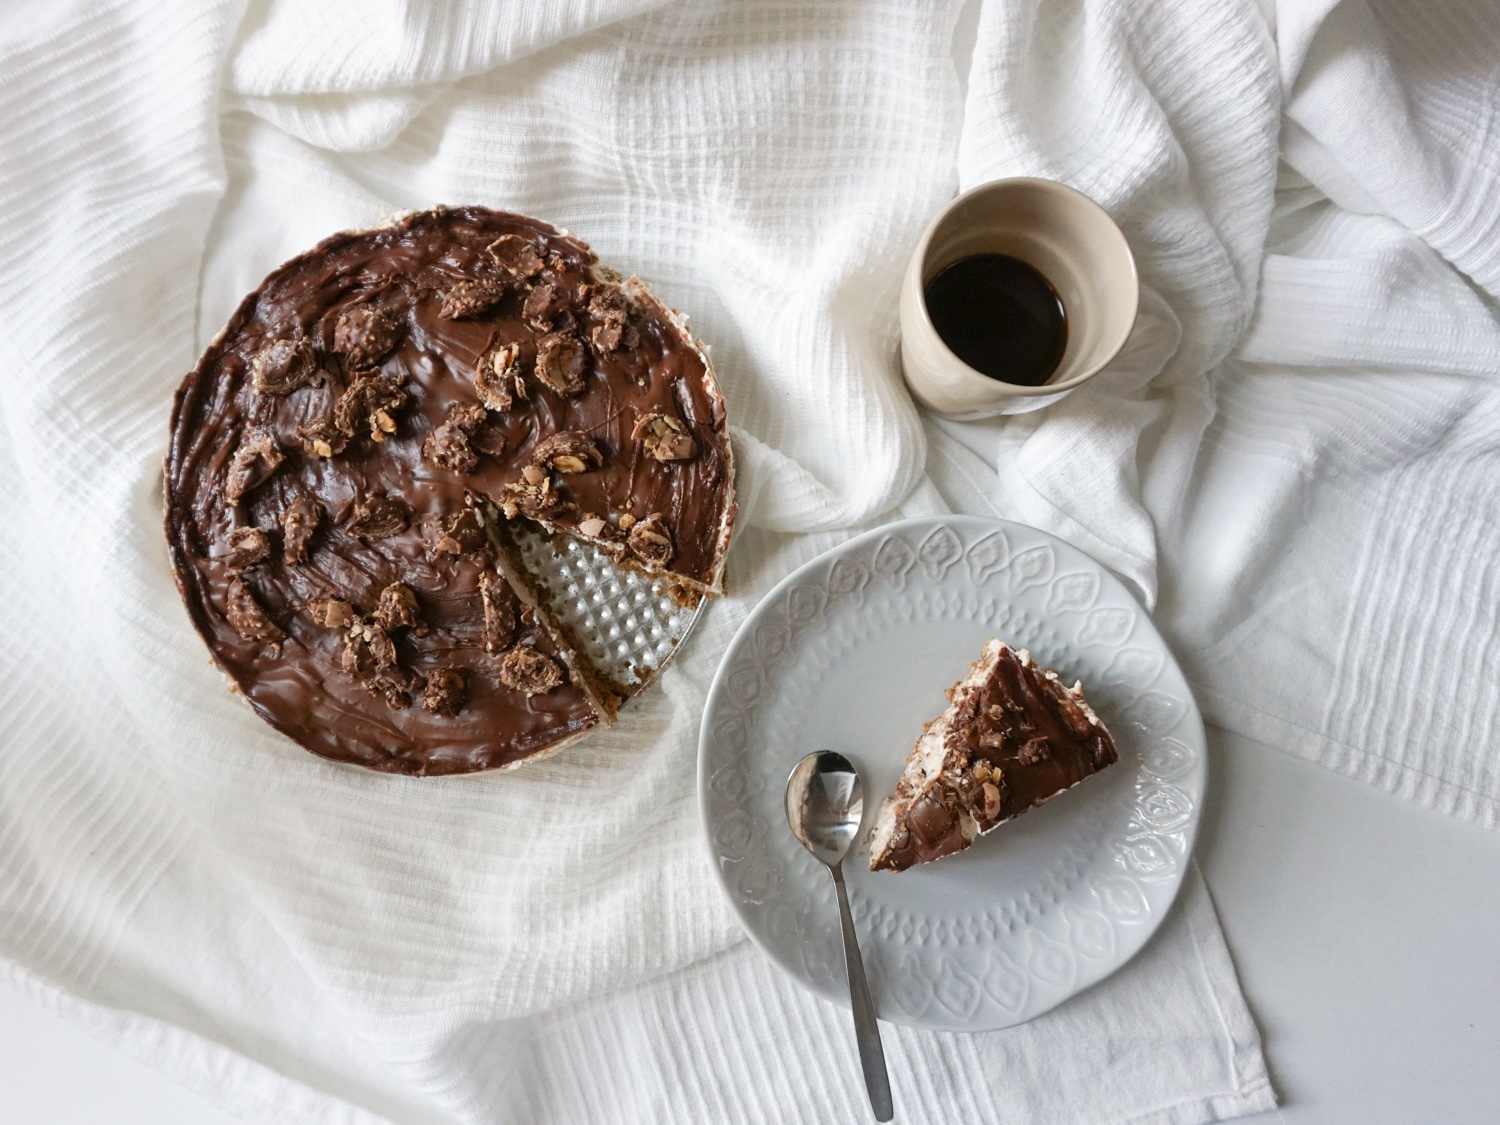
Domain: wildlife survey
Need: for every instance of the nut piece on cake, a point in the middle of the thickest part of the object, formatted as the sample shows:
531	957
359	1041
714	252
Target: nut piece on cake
1012	738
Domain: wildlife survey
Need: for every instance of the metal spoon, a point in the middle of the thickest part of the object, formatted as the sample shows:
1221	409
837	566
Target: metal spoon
824	805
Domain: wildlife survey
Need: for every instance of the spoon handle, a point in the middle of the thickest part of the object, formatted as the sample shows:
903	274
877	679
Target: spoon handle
866	1030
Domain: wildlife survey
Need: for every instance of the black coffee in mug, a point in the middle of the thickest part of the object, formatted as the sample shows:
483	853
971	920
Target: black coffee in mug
1000	316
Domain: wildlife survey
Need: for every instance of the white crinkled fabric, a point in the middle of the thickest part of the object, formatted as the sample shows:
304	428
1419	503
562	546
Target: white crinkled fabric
306	942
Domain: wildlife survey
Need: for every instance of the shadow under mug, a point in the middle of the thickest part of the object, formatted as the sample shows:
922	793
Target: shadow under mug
1061	233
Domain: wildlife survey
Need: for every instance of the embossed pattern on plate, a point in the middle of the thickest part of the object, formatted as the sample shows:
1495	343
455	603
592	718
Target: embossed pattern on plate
852	653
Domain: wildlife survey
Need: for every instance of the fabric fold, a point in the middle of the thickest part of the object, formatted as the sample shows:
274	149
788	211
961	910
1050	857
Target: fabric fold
1331	590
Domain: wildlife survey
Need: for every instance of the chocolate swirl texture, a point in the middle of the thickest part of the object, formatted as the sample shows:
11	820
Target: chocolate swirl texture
378	617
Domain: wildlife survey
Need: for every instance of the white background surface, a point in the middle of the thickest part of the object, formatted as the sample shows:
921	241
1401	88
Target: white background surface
1364	929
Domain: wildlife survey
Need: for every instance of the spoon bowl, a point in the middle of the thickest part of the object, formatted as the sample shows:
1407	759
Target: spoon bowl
825	805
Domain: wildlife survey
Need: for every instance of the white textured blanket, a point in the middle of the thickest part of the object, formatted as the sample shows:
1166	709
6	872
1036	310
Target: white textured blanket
304	942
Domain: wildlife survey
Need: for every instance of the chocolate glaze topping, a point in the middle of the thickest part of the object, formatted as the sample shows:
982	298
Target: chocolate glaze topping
376	618
1012	741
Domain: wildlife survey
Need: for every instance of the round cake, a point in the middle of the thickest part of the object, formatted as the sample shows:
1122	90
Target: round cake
351	456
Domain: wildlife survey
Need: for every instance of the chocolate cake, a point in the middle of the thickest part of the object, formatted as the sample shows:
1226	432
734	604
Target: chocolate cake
352	453
1012	737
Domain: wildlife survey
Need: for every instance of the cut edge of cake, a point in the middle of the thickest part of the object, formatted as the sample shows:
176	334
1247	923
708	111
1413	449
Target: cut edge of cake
949	795
604	701
606	696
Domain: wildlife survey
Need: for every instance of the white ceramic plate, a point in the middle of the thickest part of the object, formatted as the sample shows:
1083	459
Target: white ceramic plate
853	652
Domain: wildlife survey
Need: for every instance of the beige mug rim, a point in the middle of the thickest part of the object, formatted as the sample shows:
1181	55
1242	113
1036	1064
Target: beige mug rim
1016	389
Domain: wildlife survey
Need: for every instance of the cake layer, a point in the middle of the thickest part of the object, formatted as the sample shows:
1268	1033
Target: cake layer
1011	738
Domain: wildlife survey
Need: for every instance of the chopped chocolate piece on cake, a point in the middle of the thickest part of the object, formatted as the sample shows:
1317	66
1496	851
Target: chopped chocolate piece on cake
457	534
283	366
445	691
378	517
567	452
499	613
532	496
499	378
606	337
331	613
246	617
298	523
650	541
398	609
252	465
321	438
366	334
394	685
539	306
423	337
525	669
607	305
449	445
515	256
665	437
247	546
367	647
471	298
560	363
371	401
1012	737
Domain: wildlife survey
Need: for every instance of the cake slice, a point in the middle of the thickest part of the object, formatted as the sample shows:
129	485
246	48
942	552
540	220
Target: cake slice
1012	737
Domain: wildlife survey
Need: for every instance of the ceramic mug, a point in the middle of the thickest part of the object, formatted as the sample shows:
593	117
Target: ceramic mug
1061	233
